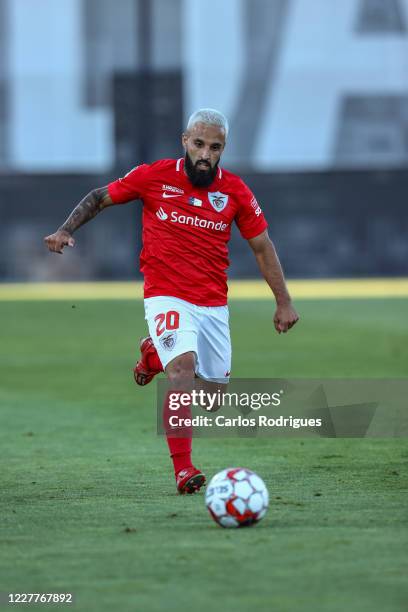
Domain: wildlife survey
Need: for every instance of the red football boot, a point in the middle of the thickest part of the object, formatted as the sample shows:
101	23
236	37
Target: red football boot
142	372
190	480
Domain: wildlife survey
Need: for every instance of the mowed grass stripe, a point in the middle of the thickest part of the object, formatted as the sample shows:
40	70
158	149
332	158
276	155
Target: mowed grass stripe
245	289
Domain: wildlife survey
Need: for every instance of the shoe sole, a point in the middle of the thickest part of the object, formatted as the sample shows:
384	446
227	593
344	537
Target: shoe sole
193	485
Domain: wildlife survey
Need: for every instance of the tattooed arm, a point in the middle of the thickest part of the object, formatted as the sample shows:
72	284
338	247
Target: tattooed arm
87	209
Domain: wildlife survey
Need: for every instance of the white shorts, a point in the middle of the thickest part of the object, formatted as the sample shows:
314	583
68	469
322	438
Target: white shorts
178	327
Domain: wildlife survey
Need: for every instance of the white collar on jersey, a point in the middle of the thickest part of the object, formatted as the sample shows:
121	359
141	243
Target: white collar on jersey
181	159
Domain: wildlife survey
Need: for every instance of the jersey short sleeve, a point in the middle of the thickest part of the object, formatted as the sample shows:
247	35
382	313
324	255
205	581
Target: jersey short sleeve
131	187
249	217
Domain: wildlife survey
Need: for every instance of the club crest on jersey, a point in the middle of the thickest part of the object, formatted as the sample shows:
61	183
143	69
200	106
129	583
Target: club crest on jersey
168	341
218	200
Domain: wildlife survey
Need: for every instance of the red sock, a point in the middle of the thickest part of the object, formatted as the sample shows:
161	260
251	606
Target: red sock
180	453
153	361
178	439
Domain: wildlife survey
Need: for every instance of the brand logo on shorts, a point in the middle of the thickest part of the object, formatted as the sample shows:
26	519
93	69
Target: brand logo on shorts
218	200
161	214
168	341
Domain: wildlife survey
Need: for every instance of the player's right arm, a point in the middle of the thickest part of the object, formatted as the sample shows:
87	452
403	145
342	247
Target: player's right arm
123	190
87	209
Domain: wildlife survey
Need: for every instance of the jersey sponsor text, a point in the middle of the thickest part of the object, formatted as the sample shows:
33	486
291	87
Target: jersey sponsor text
197	222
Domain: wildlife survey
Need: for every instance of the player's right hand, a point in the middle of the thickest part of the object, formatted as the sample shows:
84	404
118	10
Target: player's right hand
56	242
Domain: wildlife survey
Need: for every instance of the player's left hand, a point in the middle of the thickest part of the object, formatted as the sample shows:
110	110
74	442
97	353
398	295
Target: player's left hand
285	318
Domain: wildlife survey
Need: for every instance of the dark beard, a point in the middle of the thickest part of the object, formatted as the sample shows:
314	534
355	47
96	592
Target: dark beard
199	178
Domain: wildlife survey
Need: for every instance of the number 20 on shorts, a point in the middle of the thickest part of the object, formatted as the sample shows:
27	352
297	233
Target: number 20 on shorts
166	321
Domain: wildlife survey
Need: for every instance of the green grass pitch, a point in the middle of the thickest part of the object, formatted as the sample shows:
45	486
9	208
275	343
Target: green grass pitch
88	501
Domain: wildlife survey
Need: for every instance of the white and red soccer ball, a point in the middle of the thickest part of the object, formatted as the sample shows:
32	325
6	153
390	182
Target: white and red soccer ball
237	497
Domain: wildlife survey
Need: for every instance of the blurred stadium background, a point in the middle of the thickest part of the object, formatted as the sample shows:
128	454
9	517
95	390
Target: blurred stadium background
317	96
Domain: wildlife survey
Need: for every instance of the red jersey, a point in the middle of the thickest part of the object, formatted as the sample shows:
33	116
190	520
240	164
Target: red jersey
186	229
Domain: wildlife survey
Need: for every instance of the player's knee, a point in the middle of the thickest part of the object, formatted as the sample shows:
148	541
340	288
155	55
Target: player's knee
181	371
213	394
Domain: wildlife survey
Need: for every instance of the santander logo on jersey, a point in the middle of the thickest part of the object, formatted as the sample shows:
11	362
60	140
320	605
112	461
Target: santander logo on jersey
161	214
195	221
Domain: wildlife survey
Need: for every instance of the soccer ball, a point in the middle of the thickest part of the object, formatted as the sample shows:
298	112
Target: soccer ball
237	497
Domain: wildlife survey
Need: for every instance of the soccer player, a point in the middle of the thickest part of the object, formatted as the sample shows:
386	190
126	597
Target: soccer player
189	205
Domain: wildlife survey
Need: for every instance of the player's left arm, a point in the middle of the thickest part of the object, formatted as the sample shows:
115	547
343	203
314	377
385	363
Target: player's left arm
271	269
